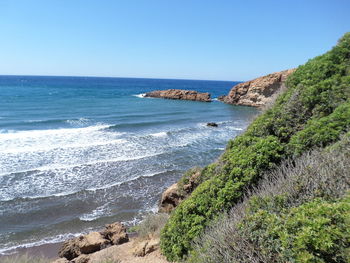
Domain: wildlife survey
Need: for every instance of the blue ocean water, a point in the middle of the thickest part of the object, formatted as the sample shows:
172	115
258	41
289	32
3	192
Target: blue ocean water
76	152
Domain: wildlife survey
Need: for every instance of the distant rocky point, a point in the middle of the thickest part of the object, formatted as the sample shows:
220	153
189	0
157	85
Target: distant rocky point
178	94
257	92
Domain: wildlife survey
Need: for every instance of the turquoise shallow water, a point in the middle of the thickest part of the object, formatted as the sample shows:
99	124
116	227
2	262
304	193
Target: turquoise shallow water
76	153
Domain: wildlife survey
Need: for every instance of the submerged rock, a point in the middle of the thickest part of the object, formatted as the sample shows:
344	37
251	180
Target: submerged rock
257	92
212	124
178	94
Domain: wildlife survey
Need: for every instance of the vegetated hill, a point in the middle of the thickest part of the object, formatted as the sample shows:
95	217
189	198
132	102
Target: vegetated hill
299	212
313	112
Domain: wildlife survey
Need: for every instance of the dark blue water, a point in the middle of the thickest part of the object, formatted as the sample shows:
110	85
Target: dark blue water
76	153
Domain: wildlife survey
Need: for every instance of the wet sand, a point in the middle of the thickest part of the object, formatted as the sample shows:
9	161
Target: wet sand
47	250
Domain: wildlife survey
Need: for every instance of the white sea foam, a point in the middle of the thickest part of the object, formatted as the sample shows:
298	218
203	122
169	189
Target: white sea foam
96	213
142	95
159	134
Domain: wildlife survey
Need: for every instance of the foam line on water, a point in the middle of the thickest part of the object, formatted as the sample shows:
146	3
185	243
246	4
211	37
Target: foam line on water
141	95
41	133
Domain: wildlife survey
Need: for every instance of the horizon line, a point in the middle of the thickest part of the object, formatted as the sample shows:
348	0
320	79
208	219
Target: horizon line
93	76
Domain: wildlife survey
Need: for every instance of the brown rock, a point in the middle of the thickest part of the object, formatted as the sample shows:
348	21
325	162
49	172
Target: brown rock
151	246
170	199
139	248
86	244
116	233
61	260
81	259
177	94
145	247
257	92
193	182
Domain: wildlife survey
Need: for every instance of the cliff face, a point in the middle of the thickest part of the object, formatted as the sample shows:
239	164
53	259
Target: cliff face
257	92
177	94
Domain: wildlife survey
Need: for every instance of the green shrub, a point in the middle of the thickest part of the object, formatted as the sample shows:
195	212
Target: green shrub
318	231
244	234
312	112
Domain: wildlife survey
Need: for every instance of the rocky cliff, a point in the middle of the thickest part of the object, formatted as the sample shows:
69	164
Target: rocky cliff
257	92
178	94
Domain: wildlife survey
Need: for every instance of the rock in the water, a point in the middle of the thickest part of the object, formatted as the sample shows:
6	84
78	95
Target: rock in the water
86	244
212	124
170	199
116	233
178	94
257	92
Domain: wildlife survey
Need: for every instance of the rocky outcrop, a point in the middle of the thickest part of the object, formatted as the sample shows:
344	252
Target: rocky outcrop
257	92
178	94
171	198
145	247
179	191
75	249
86	244
116	233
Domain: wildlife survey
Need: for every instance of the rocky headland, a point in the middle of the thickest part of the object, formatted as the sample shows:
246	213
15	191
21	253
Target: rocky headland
178	94
257	92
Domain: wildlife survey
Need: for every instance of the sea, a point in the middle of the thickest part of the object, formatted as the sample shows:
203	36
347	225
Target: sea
80	152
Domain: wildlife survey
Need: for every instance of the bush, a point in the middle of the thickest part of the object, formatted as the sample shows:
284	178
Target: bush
314	105
255	228
317	231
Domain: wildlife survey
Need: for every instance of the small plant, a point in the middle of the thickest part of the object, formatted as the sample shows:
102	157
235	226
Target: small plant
151	225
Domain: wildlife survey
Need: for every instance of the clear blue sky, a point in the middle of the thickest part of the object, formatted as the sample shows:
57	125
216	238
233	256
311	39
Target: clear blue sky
192	39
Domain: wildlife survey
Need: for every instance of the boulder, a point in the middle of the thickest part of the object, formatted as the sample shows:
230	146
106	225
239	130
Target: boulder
85	244
257	92
145	247
212	124
139	248
81	259
151	246
116	233
178	94
170	199
61	260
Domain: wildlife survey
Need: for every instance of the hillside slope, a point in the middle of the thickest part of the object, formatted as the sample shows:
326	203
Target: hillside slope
313	112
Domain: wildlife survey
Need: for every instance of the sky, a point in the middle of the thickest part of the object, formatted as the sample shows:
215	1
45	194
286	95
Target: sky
179	39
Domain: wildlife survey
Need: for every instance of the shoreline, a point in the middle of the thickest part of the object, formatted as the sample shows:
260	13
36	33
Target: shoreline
49	250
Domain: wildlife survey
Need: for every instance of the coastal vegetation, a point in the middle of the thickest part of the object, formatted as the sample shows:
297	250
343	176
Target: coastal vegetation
314	112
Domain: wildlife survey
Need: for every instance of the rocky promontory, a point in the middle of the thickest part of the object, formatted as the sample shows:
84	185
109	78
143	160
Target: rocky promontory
257	92
178	94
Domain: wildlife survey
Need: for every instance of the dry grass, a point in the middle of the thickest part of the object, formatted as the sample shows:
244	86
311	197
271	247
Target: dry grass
151	225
